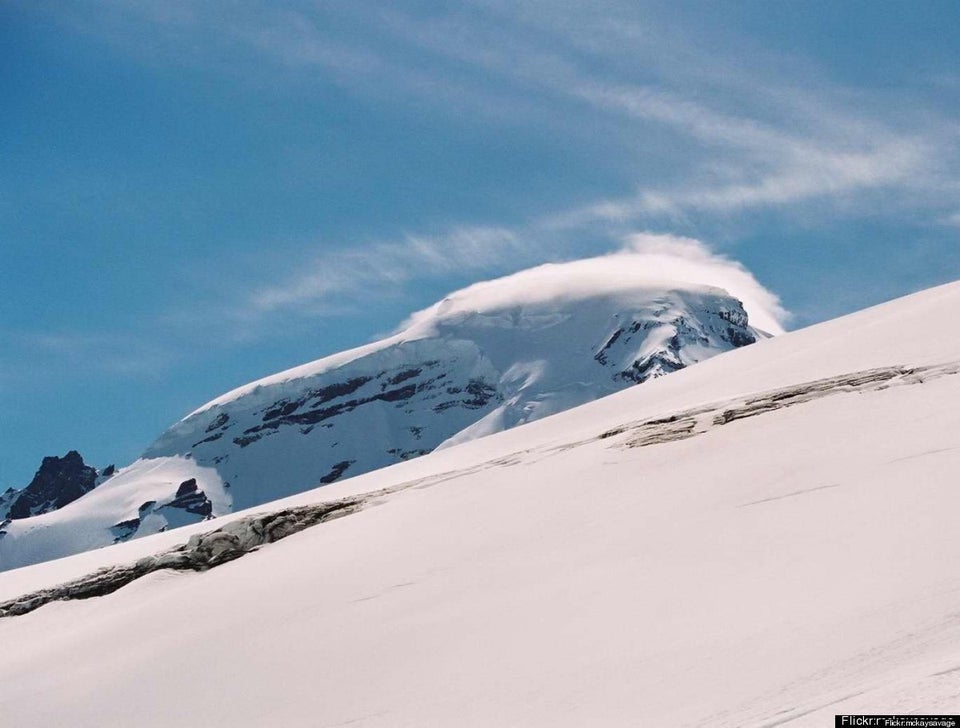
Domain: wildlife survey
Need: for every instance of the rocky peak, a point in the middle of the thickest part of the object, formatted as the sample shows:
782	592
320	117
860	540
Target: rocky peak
59	481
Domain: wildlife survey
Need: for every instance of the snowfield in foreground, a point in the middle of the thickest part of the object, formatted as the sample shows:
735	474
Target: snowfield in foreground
765	539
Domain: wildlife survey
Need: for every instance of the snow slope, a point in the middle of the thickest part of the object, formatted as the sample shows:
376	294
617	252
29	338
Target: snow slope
485	359
765	539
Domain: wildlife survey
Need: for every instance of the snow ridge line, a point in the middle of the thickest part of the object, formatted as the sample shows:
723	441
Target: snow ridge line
238	538
201	553
700	420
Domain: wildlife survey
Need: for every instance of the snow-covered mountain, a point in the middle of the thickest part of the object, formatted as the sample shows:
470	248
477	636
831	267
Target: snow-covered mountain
485	359
765	539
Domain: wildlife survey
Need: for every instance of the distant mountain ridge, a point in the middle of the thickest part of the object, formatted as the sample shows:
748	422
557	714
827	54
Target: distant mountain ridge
484	359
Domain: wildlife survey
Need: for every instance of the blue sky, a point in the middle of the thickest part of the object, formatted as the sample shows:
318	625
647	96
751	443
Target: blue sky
195	194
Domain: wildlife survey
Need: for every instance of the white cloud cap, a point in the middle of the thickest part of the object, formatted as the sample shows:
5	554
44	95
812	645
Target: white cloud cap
649	261
665	257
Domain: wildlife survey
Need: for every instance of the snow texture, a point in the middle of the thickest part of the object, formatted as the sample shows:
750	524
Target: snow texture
485	359
200	553
765	539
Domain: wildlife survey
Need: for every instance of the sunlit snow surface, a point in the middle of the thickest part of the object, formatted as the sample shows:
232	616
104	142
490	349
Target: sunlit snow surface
765	570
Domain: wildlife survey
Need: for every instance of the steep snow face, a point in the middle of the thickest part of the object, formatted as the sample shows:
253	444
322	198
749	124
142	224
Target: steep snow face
766	539
483	360
453	376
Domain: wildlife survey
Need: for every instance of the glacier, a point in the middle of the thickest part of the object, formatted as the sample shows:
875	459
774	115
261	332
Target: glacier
763	539
487	358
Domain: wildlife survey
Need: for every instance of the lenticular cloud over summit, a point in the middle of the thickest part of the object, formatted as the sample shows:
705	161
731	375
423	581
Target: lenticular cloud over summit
647	259
687	260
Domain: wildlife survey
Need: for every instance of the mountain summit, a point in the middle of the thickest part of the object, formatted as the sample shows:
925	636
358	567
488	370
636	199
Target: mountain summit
486	358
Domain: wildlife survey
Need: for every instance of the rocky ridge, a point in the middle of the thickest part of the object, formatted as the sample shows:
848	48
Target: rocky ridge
58	482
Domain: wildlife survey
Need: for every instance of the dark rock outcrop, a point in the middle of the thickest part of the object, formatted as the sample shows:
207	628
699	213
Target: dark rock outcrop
188	504
191	499
336	471
59	481
200	553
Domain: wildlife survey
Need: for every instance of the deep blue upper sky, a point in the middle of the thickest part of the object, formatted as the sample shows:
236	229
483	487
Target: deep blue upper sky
194	194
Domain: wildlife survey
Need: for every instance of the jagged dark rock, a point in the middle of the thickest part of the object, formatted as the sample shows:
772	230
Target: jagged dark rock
125	529
212	438
220	421
187	487
191	500
643	369
306	411
336	471
59	481
6	498
407	454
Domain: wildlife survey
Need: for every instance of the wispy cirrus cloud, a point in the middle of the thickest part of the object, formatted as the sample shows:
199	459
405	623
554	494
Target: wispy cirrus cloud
341	275
742	138
758	141
143	357
952	219
711	136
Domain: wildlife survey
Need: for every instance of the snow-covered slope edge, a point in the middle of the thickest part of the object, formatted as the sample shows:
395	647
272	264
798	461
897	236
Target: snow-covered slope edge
485	359
770	569
245	534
